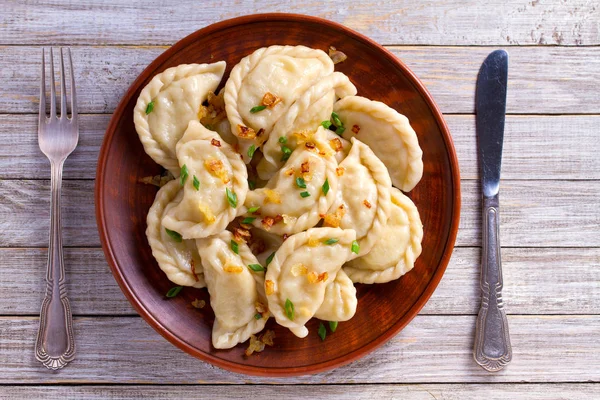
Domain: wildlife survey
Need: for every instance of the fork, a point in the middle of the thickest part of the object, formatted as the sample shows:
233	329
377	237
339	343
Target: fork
57	137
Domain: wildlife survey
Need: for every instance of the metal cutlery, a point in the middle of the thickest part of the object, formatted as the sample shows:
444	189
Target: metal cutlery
492	342
57	137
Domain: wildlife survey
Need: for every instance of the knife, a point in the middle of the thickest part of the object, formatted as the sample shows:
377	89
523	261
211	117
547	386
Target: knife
492	342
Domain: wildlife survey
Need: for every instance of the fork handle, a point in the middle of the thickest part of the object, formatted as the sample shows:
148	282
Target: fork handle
492	342
55	345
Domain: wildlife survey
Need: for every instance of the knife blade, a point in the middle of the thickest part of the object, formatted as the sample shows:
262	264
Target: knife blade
492	349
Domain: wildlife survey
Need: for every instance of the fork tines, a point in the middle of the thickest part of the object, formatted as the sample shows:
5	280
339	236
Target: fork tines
63	90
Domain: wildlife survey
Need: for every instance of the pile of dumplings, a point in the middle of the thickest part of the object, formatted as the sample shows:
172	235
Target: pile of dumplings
287	190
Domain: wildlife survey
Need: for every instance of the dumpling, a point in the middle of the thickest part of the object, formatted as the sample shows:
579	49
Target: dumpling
295	198
389	135
236	291
264	84
176	257
215	187
303	267
363	196
398	247
305	115
168	103
340	299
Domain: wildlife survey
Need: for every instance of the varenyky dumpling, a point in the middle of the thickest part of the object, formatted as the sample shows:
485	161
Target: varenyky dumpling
236	291
264	84
215	187
176	257
168	103
297	278
295	198
363	196
388	133
340	299
398	247
304	116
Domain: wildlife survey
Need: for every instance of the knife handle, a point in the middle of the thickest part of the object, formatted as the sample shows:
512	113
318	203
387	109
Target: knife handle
492	342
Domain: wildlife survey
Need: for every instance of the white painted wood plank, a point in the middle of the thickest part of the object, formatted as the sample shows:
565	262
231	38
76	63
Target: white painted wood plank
430	349
585	391
542	80
535	147
450	22
536	281
533	214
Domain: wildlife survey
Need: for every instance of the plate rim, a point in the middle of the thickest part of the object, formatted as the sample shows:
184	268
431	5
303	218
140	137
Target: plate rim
275	371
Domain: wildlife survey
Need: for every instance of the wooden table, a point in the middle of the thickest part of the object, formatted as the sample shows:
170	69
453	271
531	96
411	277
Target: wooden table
550	216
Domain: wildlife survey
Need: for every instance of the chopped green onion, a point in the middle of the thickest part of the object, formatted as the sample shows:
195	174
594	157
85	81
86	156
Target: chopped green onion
174	235
248	220
183	175
332	241
251	184
283	140
256	267
301	183
339	130
289	309
325	187
256	109
257	316
286	153
251	151
322	331
174	291
326	124
304	194
196	183
252	210
336	119
355	247
235	247
149	107
231	198
270	258
333	325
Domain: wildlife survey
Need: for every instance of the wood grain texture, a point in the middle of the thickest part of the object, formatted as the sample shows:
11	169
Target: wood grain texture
450	22
585	391
127	350
536	147
533	214
542	80
537	281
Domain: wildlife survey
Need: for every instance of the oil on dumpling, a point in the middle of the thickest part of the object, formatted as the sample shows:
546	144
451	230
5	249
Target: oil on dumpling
295	198
363	196
168	103
215	183
236	291
176	257
388	133
264	84
398	247
304	117
301	270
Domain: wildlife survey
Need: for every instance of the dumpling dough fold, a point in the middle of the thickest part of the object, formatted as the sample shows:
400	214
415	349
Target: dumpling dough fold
388	133
236	292
179	260
398	247
176	96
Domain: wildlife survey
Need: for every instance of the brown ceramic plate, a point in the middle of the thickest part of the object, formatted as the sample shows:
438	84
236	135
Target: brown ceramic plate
383	310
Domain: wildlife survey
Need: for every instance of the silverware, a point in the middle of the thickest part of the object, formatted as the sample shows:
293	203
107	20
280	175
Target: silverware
492	342
57	137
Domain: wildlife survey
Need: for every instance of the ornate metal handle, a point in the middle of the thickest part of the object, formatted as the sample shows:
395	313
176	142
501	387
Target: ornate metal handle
492	342
55	345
